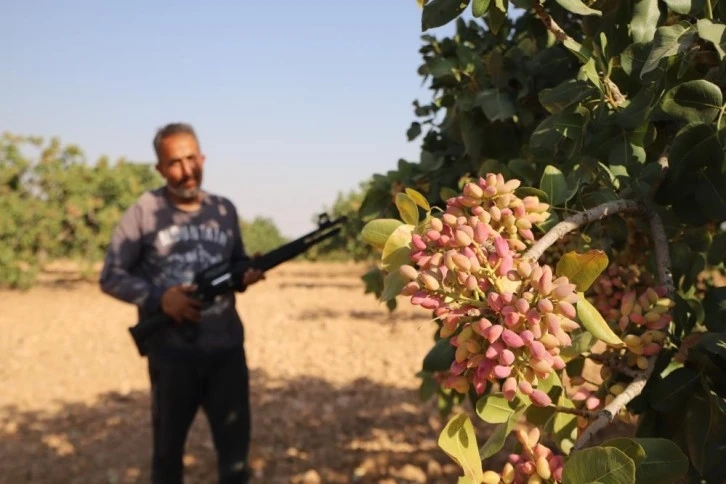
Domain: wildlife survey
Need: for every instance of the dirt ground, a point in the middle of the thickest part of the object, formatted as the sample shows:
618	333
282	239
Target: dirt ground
334	392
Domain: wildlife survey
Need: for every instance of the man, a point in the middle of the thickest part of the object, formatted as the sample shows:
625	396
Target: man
161	241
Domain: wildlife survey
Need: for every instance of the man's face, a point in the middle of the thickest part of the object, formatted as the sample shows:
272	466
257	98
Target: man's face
181	163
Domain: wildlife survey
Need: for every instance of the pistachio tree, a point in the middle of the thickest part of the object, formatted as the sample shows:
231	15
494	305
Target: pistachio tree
565	227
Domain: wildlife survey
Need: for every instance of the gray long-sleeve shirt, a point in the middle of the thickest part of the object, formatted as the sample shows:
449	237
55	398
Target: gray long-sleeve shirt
156	245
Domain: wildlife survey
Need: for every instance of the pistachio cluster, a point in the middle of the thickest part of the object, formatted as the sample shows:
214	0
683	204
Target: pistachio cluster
535	463
508	318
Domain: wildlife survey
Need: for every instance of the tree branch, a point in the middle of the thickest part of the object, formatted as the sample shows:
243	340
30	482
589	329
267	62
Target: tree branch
578	220
663	261
607	414
612	361
549	23
662	253
576	411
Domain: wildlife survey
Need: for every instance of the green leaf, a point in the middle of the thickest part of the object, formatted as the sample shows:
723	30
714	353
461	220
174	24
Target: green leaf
393	283
603	465
498	437
645	20
668	41
695	146
593	321
498	15
446	193
581	52
407	208
437	13
571	91
564	423
582	269
440	67
428	387
573	185
554	184
638	109
531	191
479	7
418	198
430	161
713	33
495	409
397	249
472	134
710	194
625	153
440	357
458	441
495	68
588	72
375	201
705	424
693	101
581	341
633	58
495	104
376	232
571	123
714	306
670	393
545	138
578	7
664	461
686	7
629	447
413	131
714	343
717	249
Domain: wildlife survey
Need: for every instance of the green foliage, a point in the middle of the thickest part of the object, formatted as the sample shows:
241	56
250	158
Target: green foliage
585	103
54	205
261	235
348	244
595	323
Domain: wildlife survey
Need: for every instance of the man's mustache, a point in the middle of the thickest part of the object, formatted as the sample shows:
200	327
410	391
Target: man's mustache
184	181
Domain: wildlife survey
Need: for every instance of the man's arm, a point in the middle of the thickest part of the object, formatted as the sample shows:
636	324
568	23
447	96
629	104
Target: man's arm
239	254
122	256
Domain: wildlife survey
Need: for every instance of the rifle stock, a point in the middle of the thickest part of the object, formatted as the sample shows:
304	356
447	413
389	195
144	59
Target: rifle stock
225	277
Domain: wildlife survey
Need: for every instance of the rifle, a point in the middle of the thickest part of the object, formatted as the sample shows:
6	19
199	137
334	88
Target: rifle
224	277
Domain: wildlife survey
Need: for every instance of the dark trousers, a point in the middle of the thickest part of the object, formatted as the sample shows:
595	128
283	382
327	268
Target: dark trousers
220	386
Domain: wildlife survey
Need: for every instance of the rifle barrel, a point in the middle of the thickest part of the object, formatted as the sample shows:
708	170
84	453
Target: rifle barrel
220	277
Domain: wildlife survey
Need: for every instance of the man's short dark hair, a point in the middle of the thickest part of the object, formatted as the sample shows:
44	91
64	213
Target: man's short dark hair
172	129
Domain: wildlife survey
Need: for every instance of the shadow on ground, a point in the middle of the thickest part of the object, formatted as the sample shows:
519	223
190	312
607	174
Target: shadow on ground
361	432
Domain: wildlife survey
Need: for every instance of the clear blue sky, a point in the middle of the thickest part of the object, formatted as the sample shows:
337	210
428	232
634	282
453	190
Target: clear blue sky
293	101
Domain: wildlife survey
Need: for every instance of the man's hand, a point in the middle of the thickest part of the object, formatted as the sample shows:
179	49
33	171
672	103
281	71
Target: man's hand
179	305
253	275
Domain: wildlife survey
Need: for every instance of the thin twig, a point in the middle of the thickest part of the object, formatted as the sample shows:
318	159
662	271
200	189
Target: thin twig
626	370
611	361
550	23
578	220
576	411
